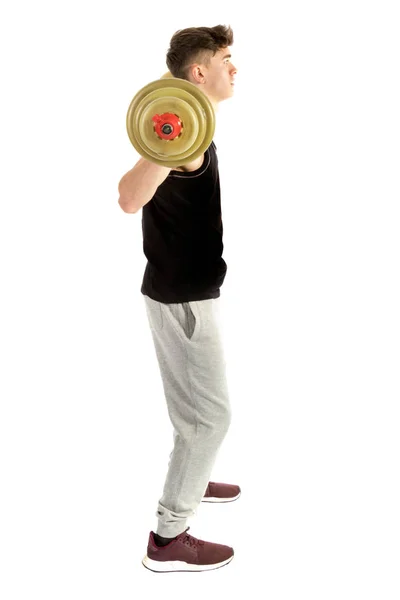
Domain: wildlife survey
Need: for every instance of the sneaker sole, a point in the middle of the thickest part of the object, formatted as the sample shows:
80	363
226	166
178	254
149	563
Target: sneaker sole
213	499
158	566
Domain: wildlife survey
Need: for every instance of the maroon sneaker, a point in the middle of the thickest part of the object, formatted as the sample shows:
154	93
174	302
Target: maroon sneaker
186	553
221	492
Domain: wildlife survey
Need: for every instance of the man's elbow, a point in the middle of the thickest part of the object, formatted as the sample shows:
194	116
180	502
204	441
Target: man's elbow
127	205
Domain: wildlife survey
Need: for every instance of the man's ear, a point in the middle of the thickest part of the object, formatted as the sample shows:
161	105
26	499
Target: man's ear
198	73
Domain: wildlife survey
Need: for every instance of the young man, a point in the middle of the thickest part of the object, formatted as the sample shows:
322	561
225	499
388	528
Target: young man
182	240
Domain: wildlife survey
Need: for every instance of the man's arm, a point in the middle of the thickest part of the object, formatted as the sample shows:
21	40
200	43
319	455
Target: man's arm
138	186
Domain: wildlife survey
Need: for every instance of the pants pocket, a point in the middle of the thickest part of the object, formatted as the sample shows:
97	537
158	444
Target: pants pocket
191	321
185	318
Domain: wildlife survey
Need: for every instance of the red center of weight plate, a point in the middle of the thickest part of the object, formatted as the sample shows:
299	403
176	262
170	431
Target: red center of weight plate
167	126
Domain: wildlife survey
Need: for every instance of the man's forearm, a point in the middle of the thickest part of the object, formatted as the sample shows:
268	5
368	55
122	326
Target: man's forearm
138	186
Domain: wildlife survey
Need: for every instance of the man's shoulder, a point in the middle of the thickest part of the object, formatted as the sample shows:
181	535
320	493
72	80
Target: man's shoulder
192	166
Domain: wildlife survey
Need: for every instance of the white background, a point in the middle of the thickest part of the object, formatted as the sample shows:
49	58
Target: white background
309	166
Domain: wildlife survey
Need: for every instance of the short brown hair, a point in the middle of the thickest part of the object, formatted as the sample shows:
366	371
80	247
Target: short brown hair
196	44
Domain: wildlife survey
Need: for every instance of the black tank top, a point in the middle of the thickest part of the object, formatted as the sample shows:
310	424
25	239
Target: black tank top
182	236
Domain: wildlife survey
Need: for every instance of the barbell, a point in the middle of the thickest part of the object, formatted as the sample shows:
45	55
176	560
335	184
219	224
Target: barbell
170	121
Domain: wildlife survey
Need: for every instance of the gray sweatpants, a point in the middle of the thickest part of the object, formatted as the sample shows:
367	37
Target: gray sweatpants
188	344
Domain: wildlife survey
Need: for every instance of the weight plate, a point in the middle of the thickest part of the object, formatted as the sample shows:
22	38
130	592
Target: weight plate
182	98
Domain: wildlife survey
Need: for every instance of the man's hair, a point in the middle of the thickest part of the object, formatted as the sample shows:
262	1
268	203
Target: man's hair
196	44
